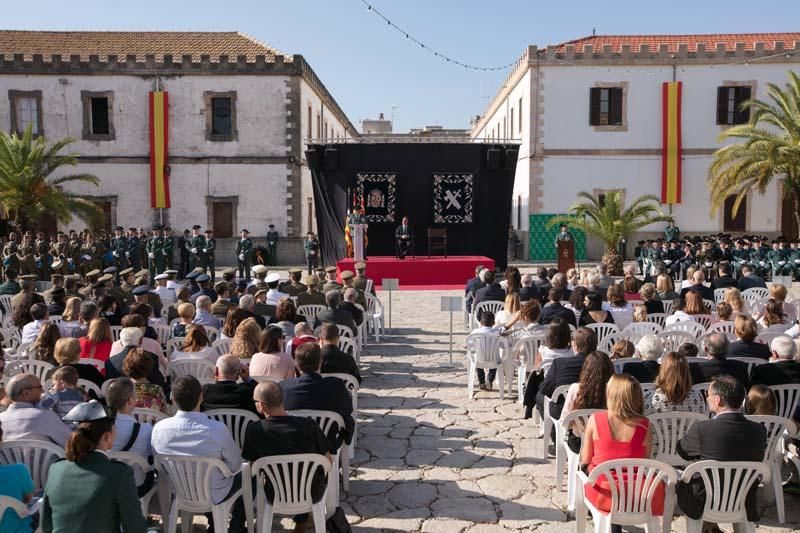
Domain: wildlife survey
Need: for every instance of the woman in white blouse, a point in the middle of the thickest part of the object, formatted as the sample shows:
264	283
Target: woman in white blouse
620	309
196	346
557	343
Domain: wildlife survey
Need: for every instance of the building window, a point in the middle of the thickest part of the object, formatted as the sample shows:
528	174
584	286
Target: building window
519	211
729	105
731	222
519	118
26	109
220	116
108	209
222	215
605	108
319	126
511	123
98	115
310	121
326	130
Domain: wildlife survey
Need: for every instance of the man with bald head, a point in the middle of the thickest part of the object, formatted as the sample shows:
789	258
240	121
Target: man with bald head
282	434
226	392
23	420
698	284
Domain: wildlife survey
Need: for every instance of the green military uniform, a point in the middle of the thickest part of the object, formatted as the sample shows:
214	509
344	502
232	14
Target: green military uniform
708	260
563	236
331	285
310	298
209	260
195	245
758	258
672	233
293	287
27	264
167	250
778	260
10	287
793	260
42	257
74	256
91	257
155	255
10	259
272	245
740	257
119	249
244	250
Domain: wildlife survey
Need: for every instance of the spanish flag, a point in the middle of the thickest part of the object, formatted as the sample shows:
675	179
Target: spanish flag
159	140
671	150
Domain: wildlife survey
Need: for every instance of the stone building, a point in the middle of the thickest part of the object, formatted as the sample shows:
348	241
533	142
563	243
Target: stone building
239	113
588	114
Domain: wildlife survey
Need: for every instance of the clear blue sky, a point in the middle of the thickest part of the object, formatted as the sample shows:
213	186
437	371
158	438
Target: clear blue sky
369	68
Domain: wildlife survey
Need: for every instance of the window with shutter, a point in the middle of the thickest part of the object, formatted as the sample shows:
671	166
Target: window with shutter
737	222
605	106
221	116
729	105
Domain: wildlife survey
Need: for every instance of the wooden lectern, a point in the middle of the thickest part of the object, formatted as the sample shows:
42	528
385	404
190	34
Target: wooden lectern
566	255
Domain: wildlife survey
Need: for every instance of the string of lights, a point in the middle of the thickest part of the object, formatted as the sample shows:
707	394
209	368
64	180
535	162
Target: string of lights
430	50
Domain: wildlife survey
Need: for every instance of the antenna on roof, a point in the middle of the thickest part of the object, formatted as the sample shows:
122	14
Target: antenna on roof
594	32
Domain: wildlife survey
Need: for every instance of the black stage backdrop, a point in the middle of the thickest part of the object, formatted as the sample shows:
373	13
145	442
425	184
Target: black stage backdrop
466	188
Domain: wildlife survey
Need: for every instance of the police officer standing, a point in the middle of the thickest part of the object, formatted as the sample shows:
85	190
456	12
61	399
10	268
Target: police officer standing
155	252
672	232
133	254
272	245
195	245
244	249
311	247
168	248
119	249
208	253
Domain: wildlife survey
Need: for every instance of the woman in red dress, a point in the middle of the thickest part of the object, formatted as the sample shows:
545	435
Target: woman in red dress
621	432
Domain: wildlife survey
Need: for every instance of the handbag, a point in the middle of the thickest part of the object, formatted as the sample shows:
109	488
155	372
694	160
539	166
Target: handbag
338	523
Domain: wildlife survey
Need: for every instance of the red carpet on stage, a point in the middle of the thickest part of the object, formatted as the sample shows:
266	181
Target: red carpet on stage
421	273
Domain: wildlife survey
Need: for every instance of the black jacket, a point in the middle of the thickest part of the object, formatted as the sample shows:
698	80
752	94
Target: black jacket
723	282
654	306
262	323
643	371
229	395
489	293
750	282
312	391
529	293
742	348
355	312
335	361
707	293
563	371
556	310
469	291
704	371
335	316
776	373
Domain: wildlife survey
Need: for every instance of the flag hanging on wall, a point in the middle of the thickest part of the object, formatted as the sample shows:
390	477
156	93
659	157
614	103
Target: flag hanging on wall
159	137
671	148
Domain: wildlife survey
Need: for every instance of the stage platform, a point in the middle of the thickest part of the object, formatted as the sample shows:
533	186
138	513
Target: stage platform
421	273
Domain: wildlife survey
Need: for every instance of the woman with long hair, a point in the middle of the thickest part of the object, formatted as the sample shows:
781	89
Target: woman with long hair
761	401
272	359
778	292
512	280
620	432
619	308
70	318
774	318
45	344
195	346
665	289
673	388
556	344
594	312
630	287
577	301
98	341
648	294
694	303
286	317
106	497
233	318
22	313
246	340
507	316
590	390
737	303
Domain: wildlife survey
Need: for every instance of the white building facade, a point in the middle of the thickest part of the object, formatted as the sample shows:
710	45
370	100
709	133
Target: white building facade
588	114
240	113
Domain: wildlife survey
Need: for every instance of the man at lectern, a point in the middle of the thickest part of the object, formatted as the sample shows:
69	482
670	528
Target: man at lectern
403	237
563	235
356	217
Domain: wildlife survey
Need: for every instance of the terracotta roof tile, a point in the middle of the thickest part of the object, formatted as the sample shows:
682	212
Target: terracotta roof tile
710	41
140	43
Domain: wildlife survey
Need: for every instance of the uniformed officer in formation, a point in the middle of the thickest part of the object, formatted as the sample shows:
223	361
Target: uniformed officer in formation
311	249
331	284
244	253
209	249
119	249
194	245
272	245
293	287
360	282
156	261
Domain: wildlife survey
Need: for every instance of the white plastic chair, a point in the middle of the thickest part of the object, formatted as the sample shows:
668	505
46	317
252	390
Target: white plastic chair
310	312
603	330
788	397
199	368
325	421
40	369
90	386
608	343
212	333
726	326
97	363
726	485
493	306
5	301
291	477
486	351
754	296
778	429
719	295
751	362
644	328
702	388
137	462
222	346
236	420
765	337
175	343
631	500
548	422
352	387
348	345
115	331
190	478
56	319
525	348
572	459
669	428
375	308
144	415
668	304
657	318
164	333
704	320
695	329
264	379
673	339
37	455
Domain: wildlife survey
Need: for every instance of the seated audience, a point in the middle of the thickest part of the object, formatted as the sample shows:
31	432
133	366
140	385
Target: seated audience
577	302
559	281
138	366
186	312
507	316
783	367
665	289
529	291
487	327
68	353
749	279
190	432
542	281
131	436
40	317
491	291
245	342
554	309
778	292
679	313
639	313
271	360
302	334
70	319
23	420
698	285
621	310
97	342
281	434
286	316
724	313
723	280
248	306
130	339
734	298
195	346
333	314
773	318
148	344
761	401
622	349
594	312
233	318
88	312
108	308
645	368
16	482
556	344
649	296
717	349
226	392
349	300
729	436
589	392
473	284
334	360
673	388
621	432
45	343
65	393
688	350
312	391
745	345
203	315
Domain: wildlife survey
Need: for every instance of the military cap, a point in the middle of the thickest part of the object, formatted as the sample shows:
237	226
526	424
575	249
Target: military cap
141	290
192	275
119	228
156	228
259	269
203	278
347	274
93	273
220	287
140	280
272	277
295	270
360	265
142	272
272	225
87	412
245	231
209	230
29	277
99	285
196	226
241	284
71	277
110	270
228	270
259	292
171	272
330	269
310	280
126	271
161	276
105	277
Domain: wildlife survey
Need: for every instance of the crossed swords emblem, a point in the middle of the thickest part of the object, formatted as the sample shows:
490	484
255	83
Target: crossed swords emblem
452	199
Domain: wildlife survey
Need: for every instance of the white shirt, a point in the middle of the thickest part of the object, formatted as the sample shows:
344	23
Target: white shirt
166	294
548	355
173	285
194	434
678	316
141	446
274	296
31	330
622	315
24	421
206	353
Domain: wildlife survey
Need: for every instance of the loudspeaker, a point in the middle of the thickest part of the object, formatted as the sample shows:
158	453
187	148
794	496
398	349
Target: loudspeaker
511	158
312	158
493	158
331	159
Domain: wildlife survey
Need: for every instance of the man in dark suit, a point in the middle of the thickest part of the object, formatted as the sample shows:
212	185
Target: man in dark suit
223	303
349	305
554	309
312	391
528	291
247	304
492	291
749	280
403	238
225	392
729	436
782	368
717	350
724	279
334	315
745	345
334	360
472	286
542	282
707	293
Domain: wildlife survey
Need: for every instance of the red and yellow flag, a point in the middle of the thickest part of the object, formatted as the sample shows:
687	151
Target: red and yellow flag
159	140
671	150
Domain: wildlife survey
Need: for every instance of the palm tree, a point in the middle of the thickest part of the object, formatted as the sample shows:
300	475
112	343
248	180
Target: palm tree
610	222
770	148
28	191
